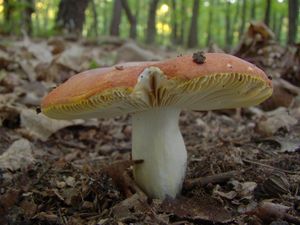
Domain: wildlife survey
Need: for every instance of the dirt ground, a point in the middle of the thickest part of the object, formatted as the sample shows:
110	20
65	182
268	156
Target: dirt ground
243	165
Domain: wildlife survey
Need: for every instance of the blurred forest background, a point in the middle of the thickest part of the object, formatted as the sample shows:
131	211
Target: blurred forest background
77	172
188	23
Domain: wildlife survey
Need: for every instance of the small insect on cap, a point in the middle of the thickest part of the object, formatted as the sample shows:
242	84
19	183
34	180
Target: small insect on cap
200	82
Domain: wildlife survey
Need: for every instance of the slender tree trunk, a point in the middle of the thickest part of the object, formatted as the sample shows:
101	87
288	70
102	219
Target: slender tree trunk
116	18
210	21
95	18
137	14
105	13
267	12
274	23
228	28
131	18
151	29
193	34
253	10
174	37
217	32
293	19
7	11
71	16
243	19
46	19
279	26
37	23
137	9
182	22
26	16
235	18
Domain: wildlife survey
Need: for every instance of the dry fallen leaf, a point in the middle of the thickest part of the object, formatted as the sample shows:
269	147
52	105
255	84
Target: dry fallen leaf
228	195
71	58
17	156
132	52
41	126
275	120
205	209
244	189
5	59
7	200
29	207
129	205
268	211
288	144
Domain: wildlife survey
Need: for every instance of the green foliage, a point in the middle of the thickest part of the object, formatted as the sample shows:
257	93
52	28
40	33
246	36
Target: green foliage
43	19
93	64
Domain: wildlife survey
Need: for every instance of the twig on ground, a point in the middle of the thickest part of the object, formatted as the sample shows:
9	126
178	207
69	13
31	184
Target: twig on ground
270	167
202	181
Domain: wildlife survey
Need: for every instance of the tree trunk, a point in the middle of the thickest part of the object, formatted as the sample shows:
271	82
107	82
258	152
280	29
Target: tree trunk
7	11
279	27
174	37
235	19
131	18
253	10
71	15
182	23
26	16
243	19
228	29
293	18
37	23
95	18
46	20
210	21
137	14
137	9
105	21
217	37
267	13
151	29
273	25
193	34
116	18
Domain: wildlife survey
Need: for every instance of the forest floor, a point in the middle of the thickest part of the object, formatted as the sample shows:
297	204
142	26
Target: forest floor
243	166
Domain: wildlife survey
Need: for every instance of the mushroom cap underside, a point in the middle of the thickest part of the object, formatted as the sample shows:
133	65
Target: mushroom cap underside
222	81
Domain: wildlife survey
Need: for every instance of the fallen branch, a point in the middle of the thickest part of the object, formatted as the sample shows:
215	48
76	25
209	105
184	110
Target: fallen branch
288	86
218	178
270	167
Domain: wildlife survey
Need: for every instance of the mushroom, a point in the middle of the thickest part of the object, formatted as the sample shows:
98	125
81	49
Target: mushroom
155	93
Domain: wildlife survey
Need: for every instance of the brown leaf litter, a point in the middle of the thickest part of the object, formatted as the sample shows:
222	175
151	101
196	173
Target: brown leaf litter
243	167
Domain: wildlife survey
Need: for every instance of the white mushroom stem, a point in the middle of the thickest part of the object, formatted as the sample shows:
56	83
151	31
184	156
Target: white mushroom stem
157	140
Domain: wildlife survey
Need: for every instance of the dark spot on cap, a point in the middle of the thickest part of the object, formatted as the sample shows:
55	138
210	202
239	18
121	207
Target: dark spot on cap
198	57
38	110
138	161
270	77
119	67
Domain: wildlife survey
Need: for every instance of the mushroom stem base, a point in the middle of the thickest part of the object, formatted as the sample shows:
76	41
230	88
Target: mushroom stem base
157	140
